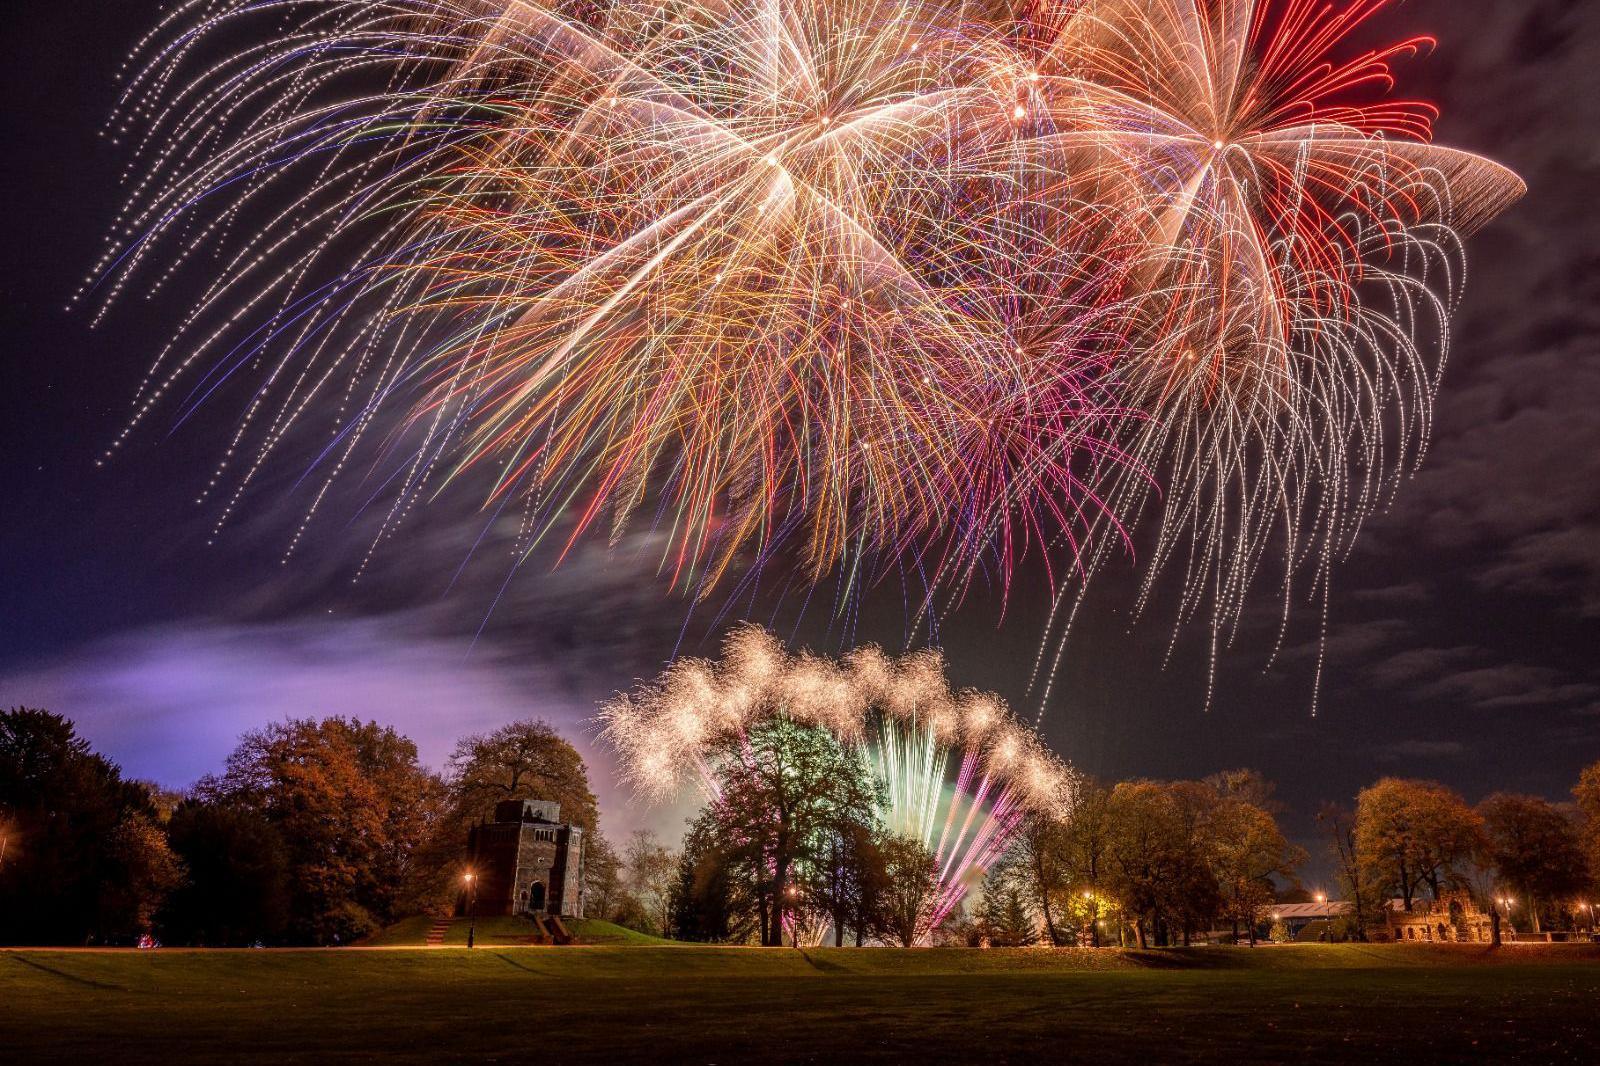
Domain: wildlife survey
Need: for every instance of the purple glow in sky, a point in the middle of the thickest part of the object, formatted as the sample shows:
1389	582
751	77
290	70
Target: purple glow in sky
169	703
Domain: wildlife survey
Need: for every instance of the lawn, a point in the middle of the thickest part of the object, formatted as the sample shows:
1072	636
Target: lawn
641	1002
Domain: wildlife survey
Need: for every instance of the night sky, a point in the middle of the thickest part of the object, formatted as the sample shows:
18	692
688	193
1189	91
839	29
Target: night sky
1464	629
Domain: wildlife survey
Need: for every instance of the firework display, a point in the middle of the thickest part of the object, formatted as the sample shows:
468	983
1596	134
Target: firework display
959	771
922	283
1294	252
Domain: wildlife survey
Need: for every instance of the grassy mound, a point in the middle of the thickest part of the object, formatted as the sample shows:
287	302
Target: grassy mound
491	932
501	932
596	931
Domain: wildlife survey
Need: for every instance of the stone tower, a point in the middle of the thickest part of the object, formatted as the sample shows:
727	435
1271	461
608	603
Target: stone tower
527	860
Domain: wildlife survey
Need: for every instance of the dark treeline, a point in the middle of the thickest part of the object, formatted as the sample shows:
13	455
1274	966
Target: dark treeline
315	832
794	849
321	831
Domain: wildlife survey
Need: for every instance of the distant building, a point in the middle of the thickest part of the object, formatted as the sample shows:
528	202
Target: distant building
1311	921
527	861
1453	918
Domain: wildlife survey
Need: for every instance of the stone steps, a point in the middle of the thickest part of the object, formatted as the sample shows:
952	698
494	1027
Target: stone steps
437	931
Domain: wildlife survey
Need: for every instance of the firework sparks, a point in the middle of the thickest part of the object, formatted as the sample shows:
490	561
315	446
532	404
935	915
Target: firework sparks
1294	248
864	282
900	713
773	269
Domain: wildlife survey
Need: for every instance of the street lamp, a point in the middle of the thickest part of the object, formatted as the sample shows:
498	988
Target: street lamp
791	893
472	906
1506	902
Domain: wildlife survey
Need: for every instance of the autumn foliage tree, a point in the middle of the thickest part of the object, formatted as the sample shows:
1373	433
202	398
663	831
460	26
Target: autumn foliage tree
521	760
1248	851
1534	848
1412	835
1177	856
1338	825
1146	852
351	804
1587	794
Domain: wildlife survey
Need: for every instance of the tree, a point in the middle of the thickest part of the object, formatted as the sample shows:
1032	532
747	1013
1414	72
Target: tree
1339	825
351	805
1194	897
911	880
602	877
1534	848
1087	841
237	892
1246	786
1159	857
1412	835
1042	853
712	898
787	789
1248	850
149	872
1005	915
847	887
871	871
1084	856
520	760
1144	838
648	870
1587	794
85	860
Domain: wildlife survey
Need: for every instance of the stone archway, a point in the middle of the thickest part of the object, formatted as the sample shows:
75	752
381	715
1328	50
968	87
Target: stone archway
536	897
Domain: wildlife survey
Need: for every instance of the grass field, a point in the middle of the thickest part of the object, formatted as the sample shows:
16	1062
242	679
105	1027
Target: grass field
503	932
640	1002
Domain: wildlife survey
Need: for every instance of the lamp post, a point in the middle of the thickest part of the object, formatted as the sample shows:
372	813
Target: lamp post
792	894
472	906
1327	920
1094	913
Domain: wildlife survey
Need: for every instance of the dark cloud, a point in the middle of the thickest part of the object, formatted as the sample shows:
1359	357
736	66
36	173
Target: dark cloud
1410	594
1425	750
1414	664
1507	685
